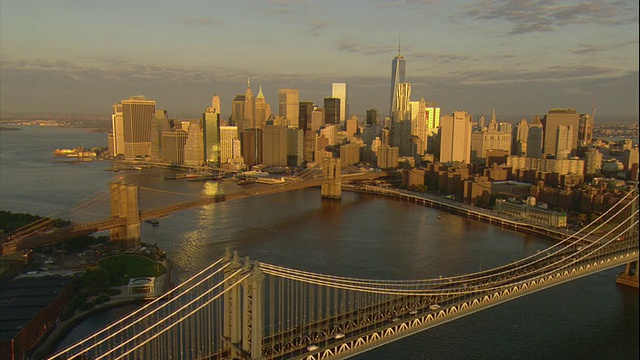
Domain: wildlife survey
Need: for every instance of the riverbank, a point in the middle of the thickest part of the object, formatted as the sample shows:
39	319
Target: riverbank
51	340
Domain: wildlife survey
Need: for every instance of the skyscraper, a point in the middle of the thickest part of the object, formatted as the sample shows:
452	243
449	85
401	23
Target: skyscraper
397	77
304	115
535	137
159	124
194	145
263	110
339	90
455	137
137	113
552	120
211	135
332	111
117	129
372	117
289	106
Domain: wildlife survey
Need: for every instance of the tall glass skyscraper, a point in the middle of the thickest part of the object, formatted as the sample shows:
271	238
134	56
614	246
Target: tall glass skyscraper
397	77
339	91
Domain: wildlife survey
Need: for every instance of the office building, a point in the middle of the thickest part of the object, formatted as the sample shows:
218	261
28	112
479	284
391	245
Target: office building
585	129
117	129
295	147
289	106
535	137
331	111
520	139
352	128
194	146
274	145
339	91
263	110
159	124
455	137
372	117
433	117
230	148
491	138
397	77
211	134
317	119
251	141
173	143
304	115
137	113
555	118
564	141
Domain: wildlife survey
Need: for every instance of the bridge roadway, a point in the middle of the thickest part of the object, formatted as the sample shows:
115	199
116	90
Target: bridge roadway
454	207
358	331
46	236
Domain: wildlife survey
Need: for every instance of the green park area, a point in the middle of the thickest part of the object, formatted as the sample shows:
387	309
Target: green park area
122	267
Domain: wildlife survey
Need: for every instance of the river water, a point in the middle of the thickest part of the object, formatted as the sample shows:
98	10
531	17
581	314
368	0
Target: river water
361	236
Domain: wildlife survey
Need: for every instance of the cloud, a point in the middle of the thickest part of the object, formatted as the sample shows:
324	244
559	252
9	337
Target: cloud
349	45
405	3
590	49
201	21
528	16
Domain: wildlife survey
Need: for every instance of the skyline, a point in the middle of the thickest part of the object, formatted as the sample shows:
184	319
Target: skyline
475	56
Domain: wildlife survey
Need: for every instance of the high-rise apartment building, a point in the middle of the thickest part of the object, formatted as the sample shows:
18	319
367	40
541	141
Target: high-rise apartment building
397	77
551	121
339	90
331	111
289	106
137	113
455	137
349	154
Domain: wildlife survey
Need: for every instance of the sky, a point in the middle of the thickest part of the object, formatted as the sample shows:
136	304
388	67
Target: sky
520	57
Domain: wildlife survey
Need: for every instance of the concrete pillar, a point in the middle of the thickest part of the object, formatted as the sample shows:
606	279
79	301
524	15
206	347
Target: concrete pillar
629	276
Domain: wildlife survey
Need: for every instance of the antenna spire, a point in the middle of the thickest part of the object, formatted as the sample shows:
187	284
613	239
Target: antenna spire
399	37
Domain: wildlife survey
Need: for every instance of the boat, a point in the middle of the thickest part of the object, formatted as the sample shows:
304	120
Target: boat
312	347
254	173
269	181
153	222
434	307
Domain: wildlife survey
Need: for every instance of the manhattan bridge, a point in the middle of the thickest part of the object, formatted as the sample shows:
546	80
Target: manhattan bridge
238	308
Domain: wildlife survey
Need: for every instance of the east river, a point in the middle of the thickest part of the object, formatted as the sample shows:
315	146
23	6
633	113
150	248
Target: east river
361	236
